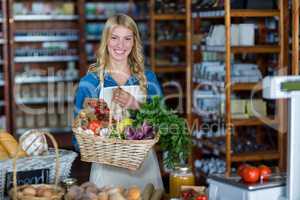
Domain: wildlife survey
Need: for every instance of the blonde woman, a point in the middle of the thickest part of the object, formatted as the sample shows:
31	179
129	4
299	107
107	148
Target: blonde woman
120	63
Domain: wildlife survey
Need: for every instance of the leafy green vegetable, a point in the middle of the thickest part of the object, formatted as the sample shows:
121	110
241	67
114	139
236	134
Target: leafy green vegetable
174	137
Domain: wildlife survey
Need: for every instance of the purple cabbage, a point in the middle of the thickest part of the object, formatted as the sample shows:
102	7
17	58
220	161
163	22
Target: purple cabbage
141	133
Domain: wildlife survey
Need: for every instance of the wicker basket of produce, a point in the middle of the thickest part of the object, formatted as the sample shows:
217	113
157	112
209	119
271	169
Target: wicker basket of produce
38	191
104	140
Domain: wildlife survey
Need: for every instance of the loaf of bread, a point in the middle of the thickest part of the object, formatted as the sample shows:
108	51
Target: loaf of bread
3	153
134	193
11	145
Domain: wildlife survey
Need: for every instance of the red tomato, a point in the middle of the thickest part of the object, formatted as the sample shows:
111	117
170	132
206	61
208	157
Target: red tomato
250	174
95	125
241	168
202	197
264	172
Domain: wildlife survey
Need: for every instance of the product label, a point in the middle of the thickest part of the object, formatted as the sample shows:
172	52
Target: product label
37	176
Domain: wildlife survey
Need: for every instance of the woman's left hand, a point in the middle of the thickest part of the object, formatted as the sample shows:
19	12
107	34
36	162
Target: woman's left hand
125	99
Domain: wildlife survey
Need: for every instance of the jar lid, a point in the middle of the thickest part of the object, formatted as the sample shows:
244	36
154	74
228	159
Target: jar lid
183	168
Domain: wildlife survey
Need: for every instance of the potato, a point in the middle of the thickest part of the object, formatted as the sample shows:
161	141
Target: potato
91	196
20	195
113	190
47	193
29	191
102	196
75	192
116	196
39	191
88	184
91	189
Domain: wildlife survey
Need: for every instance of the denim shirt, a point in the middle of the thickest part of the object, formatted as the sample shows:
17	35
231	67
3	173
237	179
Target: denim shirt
89	87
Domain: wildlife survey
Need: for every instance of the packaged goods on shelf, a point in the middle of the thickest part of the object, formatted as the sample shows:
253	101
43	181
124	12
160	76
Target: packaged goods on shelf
169	7
210	166
210	133
247	108
29	75
170	31
50	32
94	30
245	73
207	103
104	9
90	51
36	52
209	71
37	8
242	35
214	72
170	56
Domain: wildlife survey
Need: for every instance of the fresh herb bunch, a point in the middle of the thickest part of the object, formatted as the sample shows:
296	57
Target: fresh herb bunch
174	137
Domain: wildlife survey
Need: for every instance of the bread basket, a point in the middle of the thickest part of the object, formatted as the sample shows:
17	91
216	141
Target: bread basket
57	192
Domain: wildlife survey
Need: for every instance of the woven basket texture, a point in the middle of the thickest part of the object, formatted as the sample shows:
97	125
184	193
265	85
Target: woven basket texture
129	154
39	162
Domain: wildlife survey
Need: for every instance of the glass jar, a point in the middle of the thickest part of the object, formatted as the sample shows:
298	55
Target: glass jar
180	176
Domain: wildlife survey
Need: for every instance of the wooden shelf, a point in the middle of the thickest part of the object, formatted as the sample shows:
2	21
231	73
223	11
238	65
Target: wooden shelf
213	14
41	100
170	43
45	38
246	86
256	49
255	156
254	13
45	17
254	121
35	59
244	49
104	18
46	79
169	17
168	69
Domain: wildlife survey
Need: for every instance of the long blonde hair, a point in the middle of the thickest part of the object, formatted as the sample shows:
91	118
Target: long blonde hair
135	58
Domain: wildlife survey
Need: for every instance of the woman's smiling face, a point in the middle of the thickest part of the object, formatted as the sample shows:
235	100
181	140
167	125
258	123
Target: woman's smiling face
120	43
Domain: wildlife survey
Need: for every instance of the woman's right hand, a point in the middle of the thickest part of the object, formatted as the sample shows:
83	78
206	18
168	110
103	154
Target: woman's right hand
125	99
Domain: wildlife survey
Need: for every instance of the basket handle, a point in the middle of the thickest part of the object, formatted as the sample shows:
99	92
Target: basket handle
57	168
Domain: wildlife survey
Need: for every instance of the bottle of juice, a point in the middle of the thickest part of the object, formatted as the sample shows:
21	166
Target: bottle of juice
182	175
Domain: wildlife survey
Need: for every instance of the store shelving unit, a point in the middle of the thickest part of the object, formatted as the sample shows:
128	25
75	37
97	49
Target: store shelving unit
5	94
44	59
232	124
174	71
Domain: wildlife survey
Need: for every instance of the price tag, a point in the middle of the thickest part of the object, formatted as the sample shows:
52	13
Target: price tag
37	176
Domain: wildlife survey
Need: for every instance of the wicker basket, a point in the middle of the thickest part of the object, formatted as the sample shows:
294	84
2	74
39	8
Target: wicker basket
59	191
128	154
67	157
